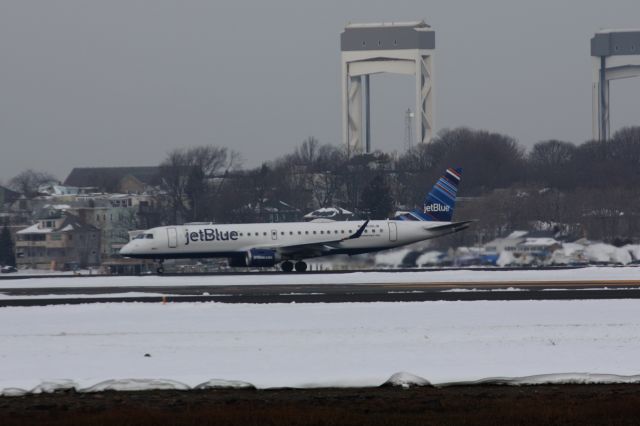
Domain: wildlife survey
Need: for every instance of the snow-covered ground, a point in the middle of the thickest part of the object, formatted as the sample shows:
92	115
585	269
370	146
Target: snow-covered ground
103	346
434	276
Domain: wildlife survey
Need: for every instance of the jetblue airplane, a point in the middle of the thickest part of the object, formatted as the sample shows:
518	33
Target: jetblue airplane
288	244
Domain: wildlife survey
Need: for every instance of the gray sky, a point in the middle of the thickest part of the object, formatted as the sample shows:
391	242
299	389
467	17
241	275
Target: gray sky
122	82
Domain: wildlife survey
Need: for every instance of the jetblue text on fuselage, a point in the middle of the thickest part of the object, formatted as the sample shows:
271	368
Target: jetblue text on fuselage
436	208
210	234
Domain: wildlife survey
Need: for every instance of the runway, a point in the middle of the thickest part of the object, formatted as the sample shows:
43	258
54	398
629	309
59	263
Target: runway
299	289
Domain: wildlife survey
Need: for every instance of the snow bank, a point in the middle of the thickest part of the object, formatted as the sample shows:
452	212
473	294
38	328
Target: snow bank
547	379
570	249
224	384
634	250
392	258
506	258
406	380
429	258
606	253
130	385
136	385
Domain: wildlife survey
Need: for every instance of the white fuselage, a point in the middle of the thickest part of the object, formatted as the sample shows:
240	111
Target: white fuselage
294	240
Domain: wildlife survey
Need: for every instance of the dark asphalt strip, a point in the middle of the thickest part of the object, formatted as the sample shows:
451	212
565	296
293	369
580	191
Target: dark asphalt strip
341	297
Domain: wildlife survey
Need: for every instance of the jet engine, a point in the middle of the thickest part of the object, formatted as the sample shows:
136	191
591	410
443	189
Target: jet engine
261	258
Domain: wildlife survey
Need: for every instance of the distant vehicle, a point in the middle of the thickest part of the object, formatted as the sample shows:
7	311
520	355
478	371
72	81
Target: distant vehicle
8	269
267	244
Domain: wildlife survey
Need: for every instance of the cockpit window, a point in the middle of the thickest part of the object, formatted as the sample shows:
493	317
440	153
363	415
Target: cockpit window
148	236
139	237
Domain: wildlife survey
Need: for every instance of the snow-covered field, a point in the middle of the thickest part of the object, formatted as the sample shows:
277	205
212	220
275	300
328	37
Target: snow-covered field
434	276
102	346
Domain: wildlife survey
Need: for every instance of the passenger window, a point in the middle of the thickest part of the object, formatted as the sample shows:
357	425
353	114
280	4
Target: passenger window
314	232
299	233
322	232
264	233
281	233
342	231
290	232
306	232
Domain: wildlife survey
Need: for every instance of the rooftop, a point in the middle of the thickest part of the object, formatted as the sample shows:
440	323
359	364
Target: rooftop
108	178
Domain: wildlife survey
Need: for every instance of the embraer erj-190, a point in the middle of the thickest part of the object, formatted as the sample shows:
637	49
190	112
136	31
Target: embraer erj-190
288	244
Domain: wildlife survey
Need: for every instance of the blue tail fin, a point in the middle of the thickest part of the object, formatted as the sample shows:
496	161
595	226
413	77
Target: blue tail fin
441	200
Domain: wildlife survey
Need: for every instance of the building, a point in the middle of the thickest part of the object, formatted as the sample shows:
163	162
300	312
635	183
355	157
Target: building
115	215
58	241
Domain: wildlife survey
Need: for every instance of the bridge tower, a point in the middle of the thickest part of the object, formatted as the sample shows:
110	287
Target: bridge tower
399	48
616	55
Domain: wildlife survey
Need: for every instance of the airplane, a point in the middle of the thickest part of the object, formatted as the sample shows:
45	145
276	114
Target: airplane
290	243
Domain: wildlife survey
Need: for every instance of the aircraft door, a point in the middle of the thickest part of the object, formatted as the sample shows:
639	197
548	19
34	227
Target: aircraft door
274	234
172	235
393	231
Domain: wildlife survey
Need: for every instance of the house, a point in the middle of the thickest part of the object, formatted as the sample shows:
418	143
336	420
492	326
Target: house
58	240
540	247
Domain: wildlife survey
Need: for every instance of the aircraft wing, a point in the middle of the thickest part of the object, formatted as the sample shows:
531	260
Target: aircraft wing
319	247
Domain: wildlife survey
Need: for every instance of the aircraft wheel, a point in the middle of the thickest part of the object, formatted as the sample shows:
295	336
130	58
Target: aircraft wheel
301	266
160	270
287	266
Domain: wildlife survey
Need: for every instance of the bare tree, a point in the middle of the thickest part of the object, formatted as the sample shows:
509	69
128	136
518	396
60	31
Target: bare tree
194	177
28	182
376	196
550	161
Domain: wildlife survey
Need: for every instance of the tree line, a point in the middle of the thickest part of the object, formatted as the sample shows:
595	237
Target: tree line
590	189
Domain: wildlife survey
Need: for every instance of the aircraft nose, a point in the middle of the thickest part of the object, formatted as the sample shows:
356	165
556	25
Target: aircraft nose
126	250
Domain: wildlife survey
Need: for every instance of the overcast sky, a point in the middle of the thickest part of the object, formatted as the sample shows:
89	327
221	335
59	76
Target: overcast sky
122	82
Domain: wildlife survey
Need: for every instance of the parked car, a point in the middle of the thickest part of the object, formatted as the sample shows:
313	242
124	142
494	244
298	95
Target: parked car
8	269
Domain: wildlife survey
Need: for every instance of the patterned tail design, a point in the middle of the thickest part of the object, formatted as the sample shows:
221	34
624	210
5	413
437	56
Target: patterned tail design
441	200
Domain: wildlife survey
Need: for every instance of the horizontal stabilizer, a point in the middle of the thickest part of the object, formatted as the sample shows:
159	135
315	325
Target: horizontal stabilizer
453	226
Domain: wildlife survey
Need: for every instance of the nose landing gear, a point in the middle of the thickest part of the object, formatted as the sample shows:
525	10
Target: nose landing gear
160	268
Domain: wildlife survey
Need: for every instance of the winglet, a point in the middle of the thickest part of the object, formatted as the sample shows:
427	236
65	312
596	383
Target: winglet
359	231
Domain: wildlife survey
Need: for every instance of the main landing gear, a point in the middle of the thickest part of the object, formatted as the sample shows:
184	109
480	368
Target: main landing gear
287	266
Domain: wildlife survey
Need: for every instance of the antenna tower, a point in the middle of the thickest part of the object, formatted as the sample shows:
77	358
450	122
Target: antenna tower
408	129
